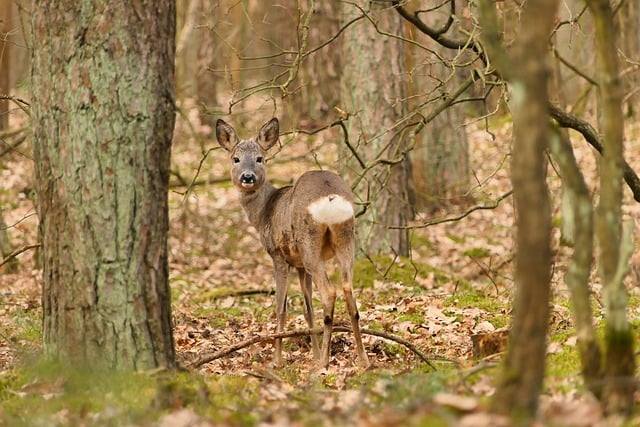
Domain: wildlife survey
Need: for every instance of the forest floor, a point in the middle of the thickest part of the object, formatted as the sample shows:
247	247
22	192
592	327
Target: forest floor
455	288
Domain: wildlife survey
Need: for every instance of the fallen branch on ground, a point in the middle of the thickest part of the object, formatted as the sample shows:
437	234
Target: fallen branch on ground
244	293
206	358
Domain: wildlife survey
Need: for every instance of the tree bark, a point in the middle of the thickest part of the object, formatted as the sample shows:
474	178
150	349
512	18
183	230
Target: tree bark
526	69
206	91
619	384
372	92
6	40
103	115
628	18
579	270
440	159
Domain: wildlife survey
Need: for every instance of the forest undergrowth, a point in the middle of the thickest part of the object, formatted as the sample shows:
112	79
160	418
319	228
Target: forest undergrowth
450	301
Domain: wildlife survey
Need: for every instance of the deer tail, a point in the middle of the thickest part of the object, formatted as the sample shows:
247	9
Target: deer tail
331	209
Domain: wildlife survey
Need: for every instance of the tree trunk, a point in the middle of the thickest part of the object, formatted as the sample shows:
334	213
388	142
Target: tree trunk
320	72
103	115
619	384
372	91
577	276
440	159
628	17
6	40
206	93
527	72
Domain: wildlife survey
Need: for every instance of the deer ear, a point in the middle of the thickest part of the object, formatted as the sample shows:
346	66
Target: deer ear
226	135
269	133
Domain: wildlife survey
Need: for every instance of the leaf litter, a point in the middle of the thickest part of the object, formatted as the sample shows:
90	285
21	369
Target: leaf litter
222	288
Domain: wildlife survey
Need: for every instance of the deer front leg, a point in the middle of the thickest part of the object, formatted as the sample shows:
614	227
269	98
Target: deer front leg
281	274
307	290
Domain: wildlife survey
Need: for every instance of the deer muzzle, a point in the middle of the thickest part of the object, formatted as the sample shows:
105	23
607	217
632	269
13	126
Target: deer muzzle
248	179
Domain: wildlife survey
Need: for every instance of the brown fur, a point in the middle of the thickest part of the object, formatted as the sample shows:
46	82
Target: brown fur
291	235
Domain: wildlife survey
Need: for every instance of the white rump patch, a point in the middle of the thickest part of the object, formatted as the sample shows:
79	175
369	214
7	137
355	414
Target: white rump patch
332	209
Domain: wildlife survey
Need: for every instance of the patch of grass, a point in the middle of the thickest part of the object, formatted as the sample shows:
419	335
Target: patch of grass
26	325
394	270
421	241
456	239
467	297
408	390
477	253
232	399
49	393
416	317
563	368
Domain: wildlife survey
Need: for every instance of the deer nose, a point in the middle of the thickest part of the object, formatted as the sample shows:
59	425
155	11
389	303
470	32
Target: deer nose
248	178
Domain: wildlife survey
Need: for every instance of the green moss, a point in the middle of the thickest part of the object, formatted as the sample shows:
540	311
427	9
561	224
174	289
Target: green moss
420	241
232	399
416	317
563	370
408	390
394	270
456	239
41	389
477	253
467	297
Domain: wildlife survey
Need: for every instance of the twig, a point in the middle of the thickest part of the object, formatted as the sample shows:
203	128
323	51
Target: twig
17	252
493	205
206	358
21	103
11	147
195	177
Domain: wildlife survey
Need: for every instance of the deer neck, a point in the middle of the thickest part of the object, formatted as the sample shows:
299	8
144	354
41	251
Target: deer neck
255	202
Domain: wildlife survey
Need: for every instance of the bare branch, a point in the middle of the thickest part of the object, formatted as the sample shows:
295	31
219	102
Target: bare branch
438	35
17	252
466	213
567	120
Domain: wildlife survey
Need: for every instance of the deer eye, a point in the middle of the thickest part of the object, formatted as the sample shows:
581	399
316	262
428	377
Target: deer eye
236	159
259	160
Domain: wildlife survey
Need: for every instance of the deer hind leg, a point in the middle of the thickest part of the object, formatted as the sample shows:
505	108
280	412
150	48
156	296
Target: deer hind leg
314	266
281	270
344	257
350	300
328	296
307	291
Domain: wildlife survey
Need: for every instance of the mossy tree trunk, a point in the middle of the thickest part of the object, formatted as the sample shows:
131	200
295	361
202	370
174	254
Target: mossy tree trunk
615	249
526	69
578	273
103	116
373	89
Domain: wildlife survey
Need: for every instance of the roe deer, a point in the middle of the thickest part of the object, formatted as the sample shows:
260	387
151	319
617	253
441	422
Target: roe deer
300	226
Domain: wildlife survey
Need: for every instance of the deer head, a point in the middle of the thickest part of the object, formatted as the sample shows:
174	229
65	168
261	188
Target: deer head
248	172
